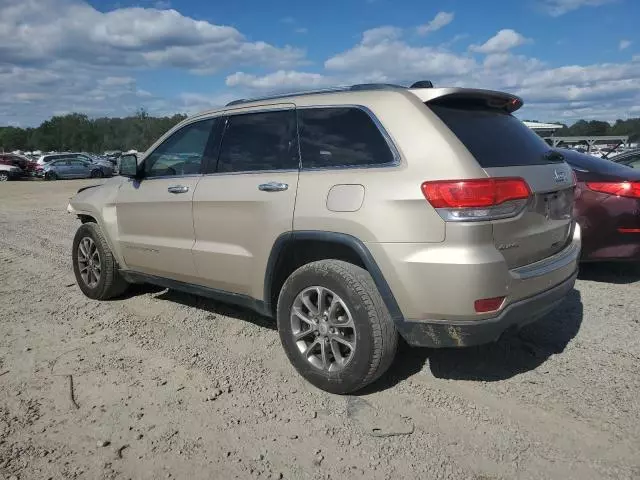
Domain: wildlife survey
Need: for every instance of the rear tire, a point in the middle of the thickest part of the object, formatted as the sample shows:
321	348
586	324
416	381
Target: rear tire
373	335
94	265
4	177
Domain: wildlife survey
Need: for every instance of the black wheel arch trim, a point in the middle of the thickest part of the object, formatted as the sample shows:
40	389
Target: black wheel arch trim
331	237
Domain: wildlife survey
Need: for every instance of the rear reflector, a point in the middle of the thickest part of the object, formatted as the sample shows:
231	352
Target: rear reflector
488	304
620	189
480	193
629	230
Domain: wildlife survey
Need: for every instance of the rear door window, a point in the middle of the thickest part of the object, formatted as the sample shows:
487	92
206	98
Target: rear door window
341	137
494	137
259	141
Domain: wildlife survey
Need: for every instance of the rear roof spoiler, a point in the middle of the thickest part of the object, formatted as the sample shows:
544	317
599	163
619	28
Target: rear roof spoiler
494	99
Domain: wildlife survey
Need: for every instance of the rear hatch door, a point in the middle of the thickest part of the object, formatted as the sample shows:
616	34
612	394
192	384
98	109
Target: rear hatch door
505	147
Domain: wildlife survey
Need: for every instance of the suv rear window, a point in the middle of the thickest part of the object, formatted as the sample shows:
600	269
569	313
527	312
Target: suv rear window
495	138
340	137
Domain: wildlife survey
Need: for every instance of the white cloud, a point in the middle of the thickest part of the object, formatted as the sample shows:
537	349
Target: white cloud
280	80
64	55
624	44
116	81
301	30
380	34
382	55
442	19
502	41
556	8
602	91
36	31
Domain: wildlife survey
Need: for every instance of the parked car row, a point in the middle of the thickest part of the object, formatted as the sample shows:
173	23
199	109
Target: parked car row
55	166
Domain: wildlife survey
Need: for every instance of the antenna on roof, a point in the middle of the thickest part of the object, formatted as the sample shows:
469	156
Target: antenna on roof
422	84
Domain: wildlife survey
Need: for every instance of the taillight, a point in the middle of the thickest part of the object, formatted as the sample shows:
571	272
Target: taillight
477	199
620	189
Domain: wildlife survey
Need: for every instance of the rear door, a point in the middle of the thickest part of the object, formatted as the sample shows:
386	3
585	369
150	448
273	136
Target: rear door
505	147
63	168
246	200
79	168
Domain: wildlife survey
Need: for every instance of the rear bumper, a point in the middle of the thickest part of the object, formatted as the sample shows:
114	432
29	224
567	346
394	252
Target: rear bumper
435	287
464	333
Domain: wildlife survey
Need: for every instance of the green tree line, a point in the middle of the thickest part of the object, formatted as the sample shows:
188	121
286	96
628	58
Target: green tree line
630	127
77	132
583	128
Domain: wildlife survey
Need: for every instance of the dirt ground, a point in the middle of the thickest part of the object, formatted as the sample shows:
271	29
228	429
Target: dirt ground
168	385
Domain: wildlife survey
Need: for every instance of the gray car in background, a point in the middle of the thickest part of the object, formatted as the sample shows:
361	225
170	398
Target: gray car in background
74	168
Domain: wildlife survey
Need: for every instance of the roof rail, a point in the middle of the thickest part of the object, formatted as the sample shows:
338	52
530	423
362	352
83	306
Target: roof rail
236	102
375	86
354	88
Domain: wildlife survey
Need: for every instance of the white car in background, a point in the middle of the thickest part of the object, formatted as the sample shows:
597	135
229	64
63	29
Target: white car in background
10	172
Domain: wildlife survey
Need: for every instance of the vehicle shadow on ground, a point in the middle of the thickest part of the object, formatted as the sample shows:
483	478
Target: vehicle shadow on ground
619	273
515	353
217	308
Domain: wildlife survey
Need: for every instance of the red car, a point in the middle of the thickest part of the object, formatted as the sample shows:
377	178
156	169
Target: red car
607	207
27	166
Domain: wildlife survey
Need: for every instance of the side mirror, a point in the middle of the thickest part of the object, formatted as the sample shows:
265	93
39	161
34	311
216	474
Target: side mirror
129	166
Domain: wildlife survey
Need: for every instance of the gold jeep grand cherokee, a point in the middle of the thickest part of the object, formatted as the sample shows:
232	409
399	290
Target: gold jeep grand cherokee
352	216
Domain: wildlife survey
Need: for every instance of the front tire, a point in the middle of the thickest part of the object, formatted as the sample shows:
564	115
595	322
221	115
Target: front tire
335	327
97	173
4	177
94	265
50	176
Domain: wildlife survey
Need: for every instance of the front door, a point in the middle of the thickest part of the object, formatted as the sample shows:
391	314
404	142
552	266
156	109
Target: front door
155	219
247	201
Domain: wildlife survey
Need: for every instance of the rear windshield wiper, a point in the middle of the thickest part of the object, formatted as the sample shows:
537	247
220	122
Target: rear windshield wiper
554	156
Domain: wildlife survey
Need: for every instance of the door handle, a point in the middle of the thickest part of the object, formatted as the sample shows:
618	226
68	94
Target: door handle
273	187
178	189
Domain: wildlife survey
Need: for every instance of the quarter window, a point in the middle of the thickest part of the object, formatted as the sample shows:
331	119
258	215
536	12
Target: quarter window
341	137
259	141
183	153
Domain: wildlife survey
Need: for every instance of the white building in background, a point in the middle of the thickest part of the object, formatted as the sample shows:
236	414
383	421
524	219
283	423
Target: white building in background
543	129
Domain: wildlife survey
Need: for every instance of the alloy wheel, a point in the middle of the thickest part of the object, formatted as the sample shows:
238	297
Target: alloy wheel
89	263
323	329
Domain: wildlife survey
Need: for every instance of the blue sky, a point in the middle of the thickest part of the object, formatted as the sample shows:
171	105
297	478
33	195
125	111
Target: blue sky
568	59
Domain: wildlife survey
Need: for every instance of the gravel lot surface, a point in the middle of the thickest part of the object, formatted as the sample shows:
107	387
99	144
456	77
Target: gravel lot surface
168	385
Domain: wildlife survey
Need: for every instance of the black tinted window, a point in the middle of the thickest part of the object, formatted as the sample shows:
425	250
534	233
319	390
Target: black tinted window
494	138
259	141
183	153
340	137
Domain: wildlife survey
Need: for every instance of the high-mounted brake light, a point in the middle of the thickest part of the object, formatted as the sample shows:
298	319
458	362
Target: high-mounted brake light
620	189
477	199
